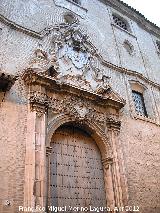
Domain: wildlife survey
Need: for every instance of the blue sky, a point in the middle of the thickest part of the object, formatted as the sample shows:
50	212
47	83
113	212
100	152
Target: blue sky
149	8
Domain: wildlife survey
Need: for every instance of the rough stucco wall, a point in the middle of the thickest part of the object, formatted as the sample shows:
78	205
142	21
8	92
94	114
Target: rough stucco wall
37	15
15	50
140	140
141	145
149	53
33	14
13	115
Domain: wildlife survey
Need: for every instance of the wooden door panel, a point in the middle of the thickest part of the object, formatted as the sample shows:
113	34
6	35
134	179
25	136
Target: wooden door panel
76	170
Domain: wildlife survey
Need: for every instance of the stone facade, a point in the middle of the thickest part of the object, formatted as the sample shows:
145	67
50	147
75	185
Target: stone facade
64	62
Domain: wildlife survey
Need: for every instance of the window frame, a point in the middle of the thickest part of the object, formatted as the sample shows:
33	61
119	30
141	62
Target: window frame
79	3
114	15
145	114
158	46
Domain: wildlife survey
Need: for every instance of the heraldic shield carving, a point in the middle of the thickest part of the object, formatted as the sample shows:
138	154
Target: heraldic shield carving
71	58
67	84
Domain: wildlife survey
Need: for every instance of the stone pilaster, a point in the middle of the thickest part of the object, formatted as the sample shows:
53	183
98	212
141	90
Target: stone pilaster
35	164
108	179
117	167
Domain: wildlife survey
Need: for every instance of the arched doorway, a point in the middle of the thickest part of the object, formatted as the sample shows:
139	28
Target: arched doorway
76	172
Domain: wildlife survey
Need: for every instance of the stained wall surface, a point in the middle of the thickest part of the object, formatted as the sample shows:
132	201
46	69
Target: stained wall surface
22	27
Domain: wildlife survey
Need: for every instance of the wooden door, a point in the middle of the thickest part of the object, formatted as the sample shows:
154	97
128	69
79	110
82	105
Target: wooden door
76	174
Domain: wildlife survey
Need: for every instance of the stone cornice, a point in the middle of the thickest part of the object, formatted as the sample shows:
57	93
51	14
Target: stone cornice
19	28
134	15
131	73
117	4
40	35
110	100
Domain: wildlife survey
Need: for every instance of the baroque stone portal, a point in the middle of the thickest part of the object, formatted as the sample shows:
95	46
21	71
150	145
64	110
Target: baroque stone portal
53	105
71	59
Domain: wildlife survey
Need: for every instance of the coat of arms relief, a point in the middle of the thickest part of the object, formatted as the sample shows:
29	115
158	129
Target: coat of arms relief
72	59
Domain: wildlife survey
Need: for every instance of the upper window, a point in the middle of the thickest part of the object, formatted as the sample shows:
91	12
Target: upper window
120	22
129	47
76	1
158	45
139	103
70	18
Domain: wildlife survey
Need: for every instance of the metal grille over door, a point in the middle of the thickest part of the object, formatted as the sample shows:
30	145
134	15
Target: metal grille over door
76	175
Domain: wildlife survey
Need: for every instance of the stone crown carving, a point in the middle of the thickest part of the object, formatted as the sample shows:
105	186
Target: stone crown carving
72	59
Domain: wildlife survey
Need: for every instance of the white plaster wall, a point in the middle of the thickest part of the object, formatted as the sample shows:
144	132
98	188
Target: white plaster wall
149	53
100	30
140	139
37	15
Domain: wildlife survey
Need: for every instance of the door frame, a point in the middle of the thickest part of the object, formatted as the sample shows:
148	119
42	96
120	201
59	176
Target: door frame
51	106
83	131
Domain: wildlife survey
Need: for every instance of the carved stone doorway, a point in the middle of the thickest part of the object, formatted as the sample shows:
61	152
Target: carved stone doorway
76	171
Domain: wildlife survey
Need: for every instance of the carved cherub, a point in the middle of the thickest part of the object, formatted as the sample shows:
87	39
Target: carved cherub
104	86
40	60
54	60
40	54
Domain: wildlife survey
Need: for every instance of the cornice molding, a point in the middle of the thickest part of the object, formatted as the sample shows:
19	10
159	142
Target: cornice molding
131	73
46	31
116	4
134	15
110	100
19	28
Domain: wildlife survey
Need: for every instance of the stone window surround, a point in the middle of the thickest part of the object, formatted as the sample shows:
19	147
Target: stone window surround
113	24
141	88
129	47
78	9
77	3
119	21
130	31
158	46
81	4
142	111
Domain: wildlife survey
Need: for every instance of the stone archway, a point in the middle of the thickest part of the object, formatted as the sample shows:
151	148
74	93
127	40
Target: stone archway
50	106
95	130
103	146
76	170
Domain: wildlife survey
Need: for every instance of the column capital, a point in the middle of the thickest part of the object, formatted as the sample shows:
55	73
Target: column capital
48	150
38	102
107	161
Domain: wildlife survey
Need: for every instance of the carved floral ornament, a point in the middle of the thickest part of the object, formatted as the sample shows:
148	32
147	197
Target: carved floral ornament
65	99
71	59
71	64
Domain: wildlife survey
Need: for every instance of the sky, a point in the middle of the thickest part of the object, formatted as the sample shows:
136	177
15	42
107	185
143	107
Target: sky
149	8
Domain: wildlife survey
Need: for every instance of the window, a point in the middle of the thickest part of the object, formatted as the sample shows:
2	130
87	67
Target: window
129	47
120	22
76	1
69	18
158	45
139	103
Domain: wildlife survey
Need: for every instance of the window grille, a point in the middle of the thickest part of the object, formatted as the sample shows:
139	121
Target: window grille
139	103
76	1
158	45
120	22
